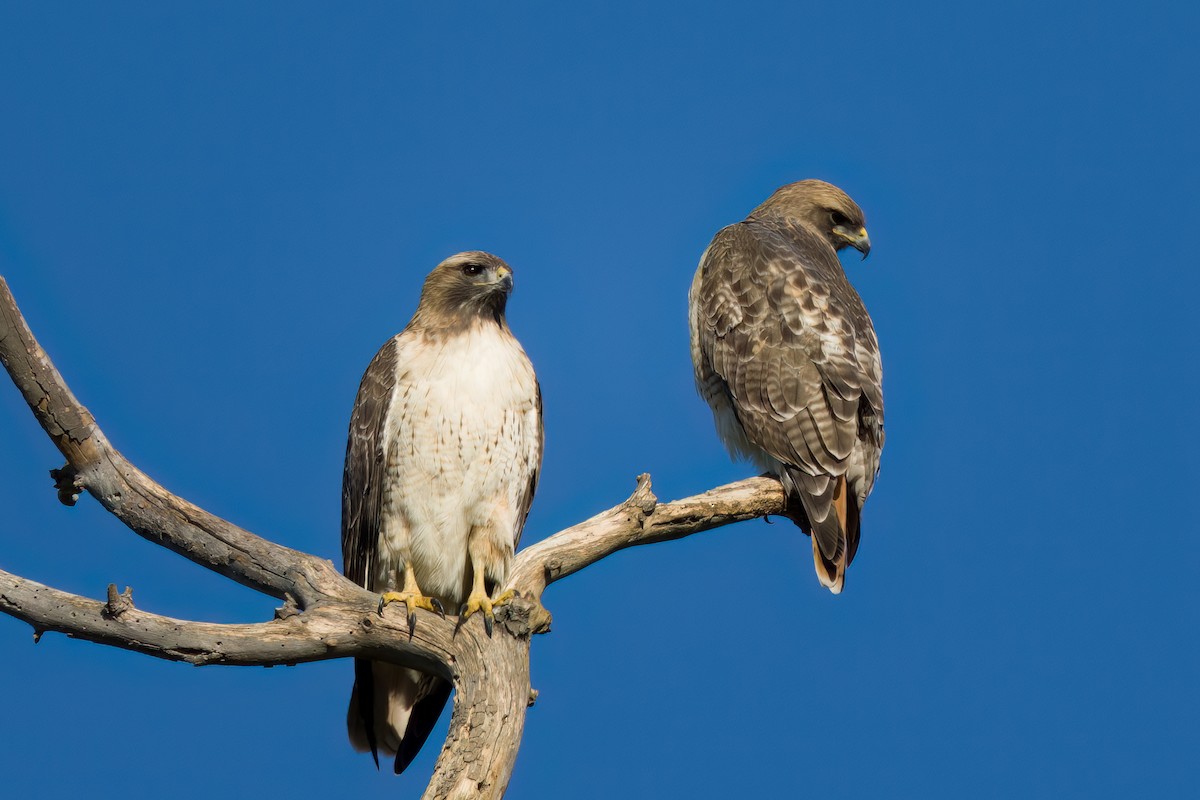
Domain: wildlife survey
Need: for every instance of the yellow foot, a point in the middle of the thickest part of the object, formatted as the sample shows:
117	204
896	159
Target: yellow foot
412	601
478	601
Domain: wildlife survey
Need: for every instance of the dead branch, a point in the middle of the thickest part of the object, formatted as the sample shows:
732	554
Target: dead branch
640	520
348	628
132	496
325	615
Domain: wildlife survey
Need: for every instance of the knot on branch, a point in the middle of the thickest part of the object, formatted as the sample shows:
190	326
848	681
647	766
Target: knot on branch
290	607
117	604
66	481
522	617
643	498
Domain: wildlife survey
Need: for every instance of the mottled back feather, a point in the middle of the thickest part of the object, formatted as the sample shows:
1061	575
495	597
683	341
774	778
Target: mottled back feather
785	353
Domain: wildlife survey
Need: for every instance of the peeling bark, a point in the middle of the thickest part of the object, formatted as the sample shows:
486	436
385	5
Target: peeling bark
325	615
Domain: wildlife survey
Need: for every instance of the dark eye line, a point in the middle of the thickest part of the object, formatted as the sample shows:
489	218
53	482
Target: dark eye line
838	218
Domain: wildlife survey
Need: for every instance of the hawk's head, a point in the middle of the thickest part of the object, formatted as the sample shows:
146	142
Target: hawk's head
823	208
464	287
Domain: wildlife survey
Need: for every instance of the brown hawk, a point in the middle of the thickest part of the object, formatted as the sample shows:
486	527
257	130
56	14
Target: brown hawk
441	465
785	354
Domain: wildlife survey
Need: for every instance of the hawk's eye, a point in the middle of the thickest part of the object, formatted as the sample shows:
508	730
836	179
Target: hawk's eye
838	218
472	270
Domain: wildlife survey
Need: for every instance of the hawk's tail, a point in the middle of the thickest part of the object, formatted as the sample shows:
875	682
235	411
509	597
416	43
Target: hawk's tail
823	508
393	710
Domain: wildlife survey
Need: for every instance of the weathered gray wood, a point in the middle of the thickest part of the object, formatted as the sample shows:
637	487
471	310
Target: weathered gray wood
640	520
348	627
325	615
492	693
132	496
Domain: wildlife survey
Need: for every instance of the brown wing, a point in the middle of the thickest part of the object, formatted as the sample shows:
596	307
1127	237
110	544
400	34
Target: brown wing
538	446
779	323
365	470
362	504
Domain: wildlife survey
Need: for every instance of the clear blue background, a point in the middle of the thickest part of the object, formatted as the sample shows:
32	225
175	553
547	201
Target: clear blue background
212	215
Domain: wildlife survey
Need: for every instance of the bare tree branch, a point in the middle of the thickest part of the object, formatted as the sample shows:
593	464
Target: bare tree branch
118	623
333	630
492	693
641	520
325	615
132	496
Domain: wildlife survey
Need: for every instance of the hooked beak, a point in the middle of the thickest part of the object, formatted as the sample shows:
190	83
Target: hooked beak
857	239
505	279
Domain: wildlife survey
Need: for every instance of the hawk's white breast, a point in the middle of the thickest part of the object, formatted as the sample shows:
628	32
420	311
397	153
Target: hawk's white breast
462	442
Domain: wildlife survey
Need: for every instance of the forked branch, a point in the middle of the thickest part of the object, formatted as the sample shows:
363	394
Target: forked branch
325	615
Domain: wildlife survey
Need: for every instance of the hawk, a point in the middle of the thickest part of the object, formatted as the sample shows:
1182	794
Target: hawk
786	356
441	466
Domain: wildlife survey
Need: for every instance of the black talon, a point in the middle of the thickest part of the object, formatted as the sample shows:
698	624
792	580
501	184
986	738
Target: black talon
437	607
381	605
412	620
487	624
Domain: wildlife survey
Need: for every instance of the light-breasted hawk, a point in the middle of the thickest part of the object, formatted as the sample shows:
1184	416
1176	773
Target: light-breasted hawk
441	466
785	354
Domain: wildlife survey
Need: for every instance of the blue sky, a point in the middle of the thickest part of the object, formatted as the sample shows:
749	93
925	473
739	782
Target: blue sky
212	215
